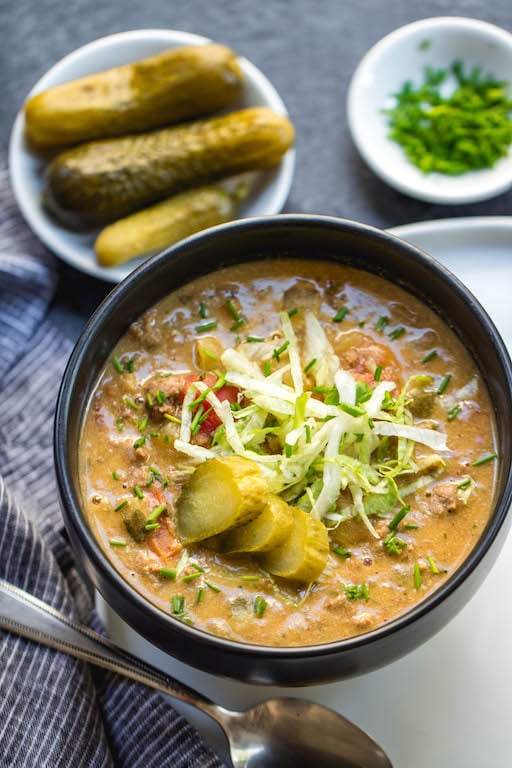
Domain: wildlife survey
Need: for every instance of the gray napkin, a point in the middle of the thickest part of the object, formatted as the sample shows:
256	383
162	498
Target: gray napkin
56	711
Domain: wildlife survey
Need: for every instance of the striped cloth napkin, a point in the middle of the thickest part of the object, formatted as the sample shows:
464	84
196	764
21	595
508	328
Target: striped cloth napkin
54	710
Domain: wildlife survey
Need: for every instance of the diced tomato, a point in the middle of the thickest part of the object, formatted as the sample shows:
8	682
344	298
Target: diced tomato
226	392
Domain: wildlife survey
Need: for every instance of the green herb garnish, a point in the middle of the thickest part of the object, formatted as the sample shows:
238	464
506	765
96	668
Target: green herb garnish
429	356
444	384
484	459
211	326
340	315
357	592
260	606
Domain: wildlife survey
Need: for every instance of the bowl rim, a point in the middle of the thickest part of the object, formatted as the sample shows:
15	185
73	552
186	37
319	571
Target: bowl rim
71	246
470	187
70	496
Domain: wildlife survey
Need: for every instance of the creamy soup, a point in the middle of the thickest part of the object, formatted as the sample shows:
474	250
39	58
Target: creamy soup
288	453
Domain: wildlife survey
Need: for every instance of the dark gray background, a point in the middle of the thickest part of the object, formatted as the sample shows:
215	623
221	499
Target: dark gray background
307	48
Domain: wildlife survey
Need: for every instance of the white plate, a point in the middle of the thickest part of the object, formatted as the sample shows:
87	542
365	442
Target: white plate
269	189
401	56
447	704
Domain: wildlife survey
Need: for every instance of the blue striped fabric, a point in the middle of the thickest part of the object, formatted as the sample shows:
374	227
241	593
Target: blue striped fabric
54	710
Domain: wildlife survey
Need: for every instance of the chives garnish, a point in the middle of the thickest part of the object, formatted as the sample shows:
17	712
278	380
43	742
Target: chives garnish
341	551
444	383
120	506
417	576
196	423
203	312
411	526
161	397
178	603
310	364
191	576
167	573
156	513
149	400
352	410
250	577
200	595
117	364
131	403
236	325
254	339
484	459
454	412
266	368
130	366
138	492
117	543
220	382
308	433
396	520
433	567
211	586
211	326
231	308
115	475
197	567
397	332
377	373
260	605
293	312
430	356
209	354
381	323
151	526
464	483
288	449
172	418
340	315
277	352
141	426
139	442
120	423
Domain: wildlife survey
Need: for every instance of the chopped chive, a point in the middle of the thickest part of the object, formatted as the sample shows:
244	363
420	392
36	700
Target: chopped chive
130	366
417	576
178	603
250	577
288	450
154	434
377	373
454	412
310	364
209	354
115	475
234	312
341	552
352	410
465	483
172	418
396	520
151	526
340	315
196	423
357	592
484	459
149	400
197	567
167	573
397	332
381	323
156	513
161	397
260	606
308	433
117	543
444	383
200	595
120	423
266	368
211	586
191	576
220	382
203	312
433	567
211	326
430	356
141	426
117	364
394	544
293	312
139	442
120	506
411	526
254	339
277	352
131	403
237	325
137	491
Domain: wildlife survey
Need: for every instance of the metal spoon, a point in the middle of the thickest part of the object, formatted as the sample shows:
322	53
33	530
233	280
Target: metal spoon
279	732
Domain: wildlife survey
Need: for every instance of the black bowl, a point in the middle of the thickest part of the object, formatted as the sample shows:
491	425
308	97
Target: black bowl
299	236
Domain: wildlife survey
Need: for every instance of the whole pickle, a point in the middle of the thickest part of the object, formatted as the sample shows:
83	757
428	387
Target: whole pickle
178	84
105	180
163	224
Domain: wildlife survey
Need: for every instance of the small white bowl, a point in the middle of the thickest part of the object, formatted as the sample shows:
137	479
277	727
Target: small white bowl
401	56
268	194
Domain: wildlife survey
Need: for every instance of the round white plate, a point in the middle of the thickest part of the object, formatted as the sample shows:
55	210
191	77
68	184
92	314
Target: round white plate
268	192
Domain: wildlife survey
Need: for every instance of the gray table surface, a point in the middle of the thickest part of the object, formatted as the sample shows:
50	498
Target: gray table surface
307	48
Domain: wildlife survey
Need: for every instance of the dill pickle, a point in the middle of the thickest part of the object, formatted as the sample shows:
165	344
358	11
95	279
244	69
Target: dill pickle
178	84
105	180
163	224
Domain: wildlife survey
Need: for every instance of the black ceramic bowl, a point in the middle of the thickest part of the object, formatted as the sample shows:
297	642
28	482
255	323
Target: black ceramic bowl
306	237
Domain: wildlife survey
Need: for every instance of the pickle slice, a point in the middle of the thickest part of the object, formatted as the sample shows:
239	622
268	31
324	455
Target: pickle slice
222	493
272	526
303	555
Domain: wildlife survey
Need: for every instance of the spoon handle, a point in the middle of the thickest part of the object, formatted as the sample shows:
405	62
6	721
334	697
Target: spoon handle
26	615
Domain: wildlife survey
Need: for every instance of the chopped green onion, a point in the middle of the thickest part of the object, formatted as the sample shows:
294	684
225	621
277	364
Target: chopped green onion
151	526
167	573
203	312
211	586
377	373
191	576
397	519
288	450
381	323
231	308
454	412
139	442
433	567
172	418
357	592
149	400
310	364
308	433
430	356
195	424
260	606
141	426
293	312
417	576
250	577
211	326
117	543
266	368
444	383
411	526
178	604
117	364
352	410
120	423
465	483
131	403
200	595
235	326
130	366
137	491
397	332
120	506
161	397
393	544
484	459
278	352
115	475
156	513
340	315
342	552
253	339
210	354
